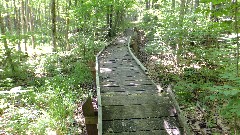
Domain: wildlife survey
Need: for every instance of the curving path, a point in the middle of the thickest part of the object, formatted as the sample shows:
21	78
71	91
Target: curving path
129	102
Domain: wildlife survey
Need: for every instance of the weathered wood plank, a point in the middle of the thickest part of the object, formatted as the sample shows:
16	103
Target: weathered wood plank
135	99
134	125
123	77
123	73
128	82
137	111
130	89
153	132
126	93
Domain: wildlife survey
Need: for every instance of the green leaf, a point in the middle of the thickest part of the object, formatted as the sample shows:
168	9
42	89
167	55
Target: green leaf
230	92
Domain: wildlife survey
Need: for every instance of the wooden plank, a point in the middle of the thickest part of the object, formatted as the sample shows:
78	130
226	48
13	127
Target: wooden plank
112	92
134	99
134	125
122	72
116	77
137	111
153	132
128	85
126	93
127	82
131	89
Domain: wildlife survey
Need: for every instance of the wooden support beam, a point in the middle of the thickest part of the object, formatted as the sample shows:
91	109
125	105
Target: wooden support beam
91	118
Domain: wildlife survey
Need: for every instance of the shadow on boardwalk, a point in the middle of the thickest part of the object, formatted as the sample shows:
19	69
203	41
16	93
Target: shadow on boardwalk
130	102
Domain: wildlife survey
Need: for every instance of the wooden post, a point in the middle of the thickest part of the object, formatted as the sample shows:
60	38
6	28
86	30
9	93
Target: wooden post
91	64
91	119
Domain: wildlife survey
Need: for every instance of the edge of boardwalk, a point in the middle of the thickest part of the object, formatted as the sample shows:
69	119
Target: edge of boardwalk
97	68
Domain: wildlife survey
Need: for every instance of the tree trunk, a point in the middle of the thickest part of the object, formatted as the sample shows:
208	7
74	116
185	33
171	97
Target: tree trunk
17	26
67	25
173	4
23	21
31	27
110	20
236	29
53	12
148	5
196	5
7	18
8	51
153	3
180	43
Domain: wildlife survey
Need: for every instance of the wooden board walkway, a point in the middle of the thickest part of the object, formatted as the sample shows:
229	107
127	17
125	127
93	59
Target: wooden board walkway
129	102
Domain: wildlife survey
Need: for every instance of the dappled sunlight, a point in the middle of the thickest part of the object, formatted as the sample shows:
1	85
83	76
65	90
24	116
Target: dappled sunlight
14	90
105	70
160	89
121	40
171	129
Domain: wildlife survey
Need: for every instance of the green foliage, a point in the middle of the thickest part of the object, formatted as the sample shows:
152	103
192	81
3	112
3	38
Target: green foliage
58	81
19	60
229	94
196	53
50	105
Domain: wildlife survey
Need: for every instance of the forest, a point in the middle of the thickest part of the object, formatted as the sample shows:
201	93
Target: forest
48	49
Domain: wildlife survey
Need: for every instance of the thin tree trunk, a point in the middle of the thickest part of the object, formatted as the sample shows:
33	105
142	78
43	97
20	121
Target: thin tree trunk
196	5
15	15
180	43
236	29
27	15
173	4
17	26
67	25
31	27
8	51
23	20
7	18
54	25
147	4
110	20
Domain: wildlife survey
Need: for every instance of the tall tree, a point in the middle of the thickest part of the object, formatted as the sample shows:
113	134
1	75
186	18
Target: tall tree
181	19
31	27
54	34
7	49
173	4
110	20
7	18
17	26
148	4
196	4
24	25
236	29
68	4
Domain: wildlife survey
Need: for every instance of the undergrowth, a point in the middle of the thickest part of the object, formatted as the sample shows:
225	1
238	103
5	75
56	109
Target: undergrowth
43	95
203	76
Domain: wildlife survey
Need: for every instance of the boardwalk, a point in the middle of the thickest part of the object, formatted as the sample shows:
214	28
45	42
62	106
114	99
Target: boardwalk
130	102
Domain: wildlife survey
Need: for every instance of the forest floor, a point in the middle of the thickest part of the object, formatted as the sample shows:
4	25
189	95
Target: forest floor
198	118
